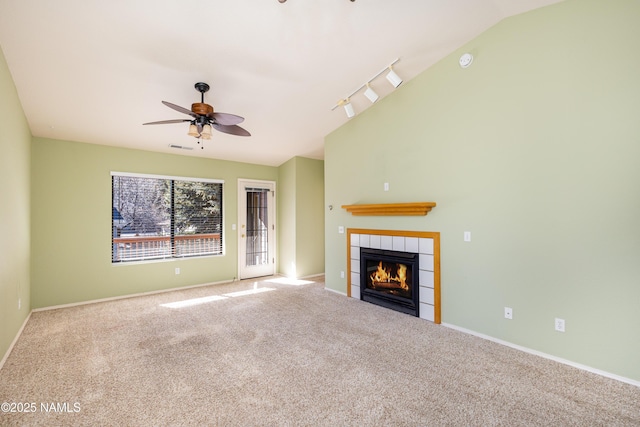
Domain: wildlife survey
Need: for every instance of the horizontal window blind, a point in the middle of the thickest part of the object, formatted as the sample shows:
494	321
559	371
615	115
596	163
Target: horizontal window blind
155	217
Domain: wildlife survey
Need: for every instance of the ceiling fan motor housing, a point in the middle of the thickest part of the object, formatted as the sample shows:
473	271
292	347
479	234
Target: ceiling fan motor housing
201	108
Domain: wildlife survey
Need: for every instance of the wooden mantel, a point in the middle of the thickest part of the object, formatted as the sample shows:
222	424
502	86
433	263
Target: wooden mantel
391	209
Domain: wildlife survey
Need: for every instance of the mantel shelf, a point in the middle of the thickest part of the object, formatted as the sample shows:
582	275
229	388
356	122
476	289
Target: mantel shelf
391	209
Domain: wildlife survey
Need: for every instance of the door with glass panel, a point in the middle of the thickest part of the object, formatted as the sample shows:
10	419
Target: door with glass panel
256	229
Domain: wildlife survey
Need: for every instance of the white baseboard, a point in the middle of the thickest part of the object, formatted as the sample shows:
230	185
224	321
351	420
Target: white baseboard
546	356
334	291
161	291
140	294
312	276
15	340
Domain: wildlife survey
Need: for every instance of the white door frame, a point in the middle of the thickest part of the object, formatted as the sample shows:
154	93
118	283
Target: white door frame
244	271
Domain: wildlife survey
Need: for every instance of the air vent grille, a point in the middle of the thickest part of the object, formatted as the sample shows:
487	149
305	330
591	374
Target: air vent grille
180	147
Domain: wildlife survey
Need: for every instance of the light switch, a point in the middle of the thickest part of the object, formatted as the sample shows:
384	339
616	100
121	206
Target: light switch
467	236
386	186
341	229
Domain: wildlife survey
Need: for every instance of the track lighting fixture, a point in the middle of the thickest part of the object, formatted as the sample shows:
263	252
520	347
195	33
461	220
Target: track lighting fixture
393	78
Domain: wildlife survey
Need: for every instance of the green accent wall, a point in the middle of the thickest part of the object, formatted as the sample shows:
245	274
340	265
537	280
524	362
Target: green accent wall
534	149
15	211
71	203
301	215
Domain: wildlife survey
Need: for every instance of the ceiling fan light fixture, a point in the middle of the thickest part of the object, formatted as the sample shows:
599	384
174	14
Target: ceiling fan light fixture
393	78
206	132
193	130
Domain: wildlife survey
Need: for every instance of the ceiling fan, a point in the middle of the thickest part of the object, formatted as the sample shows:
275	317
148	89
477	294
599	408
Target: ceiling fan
203	118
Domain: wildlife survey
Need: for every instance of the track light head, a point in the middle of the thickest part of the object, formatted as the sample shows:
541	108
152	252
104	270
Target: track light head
371	94
393	78
348	108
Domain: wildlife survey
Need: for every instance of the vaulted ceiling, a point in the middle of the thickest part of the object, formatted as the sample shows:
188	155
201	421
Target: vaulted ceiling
94	71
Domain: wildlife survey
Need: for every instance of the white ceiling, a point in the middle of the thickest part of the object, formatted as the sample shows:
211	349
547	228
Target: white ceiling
94	71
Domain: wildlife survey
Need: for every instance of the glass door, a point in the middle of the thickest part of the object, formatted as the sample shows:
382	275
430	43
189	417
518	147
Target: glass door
256	233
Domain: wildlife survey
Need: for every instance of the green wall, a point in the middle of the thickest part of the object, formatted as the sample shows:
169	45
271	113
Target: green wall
535	150
286	199
15	211
71	204
309	216
301	214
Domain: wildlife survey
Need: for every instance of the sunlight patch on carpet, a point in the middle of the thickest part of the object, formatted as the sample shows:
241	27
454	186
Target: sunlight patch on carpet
289	281
249	292
212	298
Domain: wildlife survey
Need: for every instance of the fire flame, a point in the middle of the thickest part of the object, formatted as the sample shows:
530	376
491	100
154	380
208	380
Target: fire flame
383	275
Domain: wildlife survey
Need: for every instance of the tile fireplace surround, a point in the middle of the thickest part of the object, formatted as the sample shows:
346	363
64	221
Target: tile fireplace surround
426	244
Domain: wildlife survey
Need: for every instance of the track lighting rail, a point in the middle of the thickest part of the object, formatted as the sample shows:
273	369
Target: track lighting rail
392	77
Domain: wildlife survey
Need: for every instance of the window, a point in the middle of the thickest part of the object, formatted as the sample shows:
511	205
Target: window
164	217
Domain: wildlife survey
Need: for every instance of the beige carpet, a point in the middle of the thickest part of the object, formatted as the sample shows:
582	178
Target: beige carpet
285	355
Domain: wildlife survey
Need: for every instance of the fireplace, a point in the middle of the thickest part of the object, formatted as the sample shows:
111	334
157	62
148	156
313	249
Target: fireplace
426	275
390	279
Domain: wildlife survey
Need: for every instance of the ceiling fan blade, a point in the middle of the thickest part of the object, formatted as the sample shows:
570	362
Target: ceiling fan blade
180	109
163	122
231	129
225	119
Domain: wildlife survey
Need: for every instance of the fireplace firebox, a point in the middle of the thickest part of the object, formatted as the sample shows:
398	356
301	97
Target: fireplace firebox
390	279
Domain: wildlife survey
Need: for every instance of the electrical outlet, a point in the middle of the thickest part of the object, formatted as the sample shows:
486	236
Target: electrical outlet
19	303
177	270
467	236
340	229
559	325
342	274
386	186
508	313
